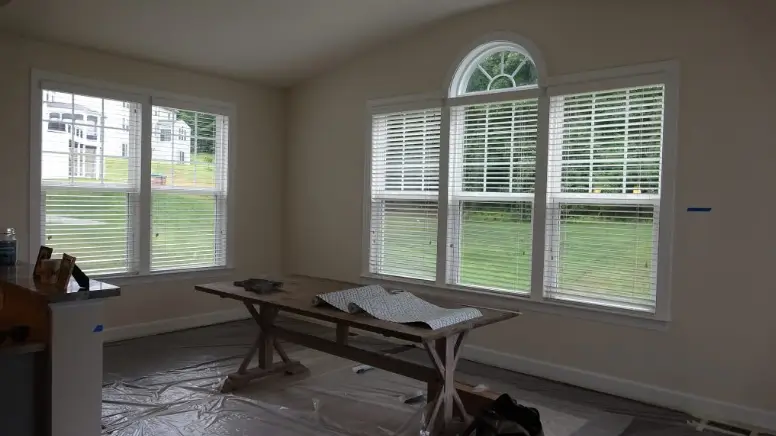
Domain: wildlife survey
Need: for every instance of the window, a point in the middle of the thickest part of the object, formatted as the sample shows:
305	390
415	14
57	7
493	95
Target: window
493	166
603	198
55	126
93	202
86	195
552	193
182	134
188	205
91	129
165	135
405	190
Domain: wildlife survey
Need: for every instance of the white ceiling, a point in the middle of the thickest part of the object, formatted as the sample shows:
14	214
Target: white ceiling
277	41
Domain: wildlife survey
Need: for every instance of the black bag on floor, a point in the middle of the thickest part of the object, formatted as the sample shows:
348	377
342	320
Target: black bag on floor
507	418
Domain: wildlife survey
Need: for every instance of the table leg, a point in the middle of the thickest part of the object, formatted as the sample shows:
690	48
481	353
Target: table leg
266	340
444	354
264	345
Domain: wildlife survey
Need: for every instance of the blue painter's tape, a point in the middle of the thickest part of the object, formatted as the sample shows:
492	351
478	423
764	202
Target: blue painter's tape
98	328
698	209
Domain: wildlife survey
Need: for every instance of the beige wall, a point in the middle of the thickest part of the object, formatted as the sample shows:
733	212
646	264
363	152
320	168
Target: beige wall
258	169
721	343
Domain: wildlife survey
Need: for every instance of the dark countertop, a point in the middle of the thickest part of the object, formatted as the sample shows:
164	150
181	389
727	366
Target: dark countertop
21	276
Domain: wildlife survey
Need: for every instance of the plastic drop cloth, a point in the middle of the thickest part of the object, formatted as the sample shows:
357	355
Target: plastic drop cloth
169	385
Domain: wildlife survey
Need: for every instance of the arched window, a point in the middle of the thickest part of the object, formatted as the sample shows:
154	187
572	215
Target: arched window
495	66
493	168
456	192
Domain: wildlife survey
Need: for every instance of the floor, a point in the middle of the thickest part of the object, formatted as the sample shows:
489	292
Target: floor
168	385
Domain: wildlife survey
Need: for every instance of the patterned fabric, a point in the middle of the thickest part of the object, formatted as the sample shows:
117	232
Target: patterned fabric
400	307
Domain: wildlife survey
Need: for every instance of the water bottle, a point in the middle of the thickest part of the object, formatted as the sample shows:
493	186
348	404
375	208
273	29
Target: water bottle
8	248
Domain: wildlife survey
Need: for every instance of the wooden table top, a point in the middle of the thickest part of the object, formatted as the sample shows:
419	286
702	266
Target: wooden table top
297	297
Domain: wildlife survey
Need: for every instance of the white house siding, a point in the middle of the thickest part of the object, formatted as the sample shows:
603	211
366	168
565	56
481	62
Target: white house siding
95	140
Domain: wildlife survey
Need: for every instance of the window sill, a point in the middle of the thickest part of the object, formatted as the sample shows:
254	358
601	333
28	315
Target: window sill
523	303
209	274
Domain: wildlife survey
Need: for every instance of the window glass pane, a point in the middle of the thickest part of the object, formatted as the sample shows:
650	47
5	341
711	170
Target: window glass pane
611	141
410	151
92	226
187	231
405	234
495	245
606	252
497	147
506	69
81	148
191	157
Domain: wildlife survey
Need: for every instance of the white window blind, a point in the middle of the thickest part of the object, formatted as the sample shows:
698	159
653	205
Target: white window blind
404	191
603	197
90	174
188	189
493	167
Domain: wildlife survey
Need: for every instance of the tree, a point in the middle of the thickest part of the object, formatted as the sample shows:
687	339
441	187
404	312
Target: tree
203	131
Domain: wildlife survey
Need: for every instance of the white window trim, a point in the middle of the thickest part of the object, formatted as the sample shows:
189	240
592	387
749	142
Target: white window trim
666	73
148	98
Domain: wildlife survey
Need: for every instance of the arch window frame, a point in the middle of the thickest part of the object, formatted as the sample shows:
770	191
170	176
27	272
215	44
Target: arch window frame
472	62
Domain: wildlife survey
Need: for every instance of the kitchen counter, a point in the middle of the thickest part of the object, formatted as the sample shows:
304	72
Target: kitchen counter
21	276
67	324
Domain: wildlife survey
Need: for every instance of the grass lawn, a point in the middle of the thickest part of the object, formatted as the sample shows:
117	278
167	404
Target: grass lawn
91	228
199	173
594	256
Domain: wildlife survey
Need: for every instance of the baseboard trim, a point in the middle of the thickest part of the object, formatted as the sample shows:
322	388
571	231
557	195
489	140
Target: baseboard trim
700	407
133	331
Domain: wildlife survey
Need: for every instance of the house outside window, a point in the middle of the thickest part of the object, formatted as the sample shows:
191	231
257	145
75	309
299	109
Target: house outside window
559	194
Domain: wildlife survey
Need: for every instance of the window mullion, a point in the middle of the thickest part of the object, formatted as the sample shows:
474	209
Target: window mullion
143	220
455	184
540	199
443	198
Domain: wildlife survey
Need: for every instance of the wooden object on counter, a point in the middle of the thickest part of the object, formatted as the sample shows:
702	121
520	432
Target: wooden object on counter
44	253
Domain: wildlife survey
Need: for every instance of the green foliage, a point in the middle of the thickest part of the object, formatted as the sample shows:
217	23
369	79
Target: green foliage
616	261
502	70
203	130
93	227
